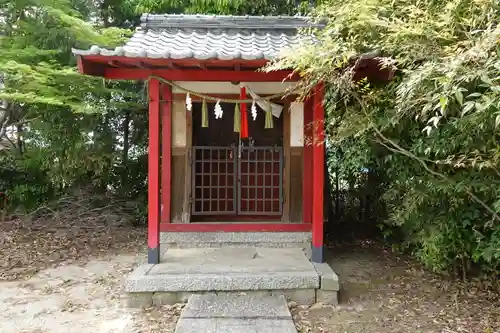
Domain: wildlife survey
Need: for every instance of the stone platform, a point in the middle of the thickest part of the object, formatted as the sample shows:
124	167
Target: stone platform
232	270
235	314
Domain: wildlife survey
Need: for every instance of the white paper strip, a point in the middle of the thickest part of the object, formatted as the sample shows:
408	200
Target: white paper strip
276	109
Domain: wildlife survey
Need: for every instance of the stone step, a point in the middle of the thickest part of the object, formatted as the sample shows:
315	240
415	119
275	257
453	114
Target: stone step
229	271
235	314
235	239
226	269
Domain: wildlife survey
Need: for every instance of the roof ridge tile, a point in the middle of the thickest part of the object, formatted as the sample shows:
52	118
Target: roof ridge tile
161	21
211	37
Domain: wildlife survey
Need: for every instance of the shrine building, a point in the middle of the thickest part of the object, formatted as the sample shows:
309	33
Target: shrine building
232	154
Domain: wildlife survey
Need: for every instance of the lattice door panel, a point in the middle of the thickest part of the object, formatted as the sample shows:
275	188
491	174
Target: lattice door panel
214	181
228	182
260	190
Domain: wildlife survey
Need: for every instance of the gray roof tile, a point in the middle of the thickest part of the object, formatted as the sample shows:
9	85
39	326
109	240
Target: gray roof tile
206	37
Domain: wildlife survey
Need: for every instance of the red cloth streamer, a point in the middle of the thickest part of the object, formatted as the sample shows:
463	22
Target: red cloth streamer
244	116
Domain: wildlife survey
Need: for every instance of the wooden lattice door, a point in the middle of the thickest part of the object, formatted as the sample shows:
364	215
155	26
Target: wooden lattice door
234	176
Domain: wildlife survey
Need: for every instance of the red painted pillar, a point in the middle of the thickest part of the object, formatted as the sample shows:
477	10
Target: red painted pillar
166	152
307	173
154	173
318	152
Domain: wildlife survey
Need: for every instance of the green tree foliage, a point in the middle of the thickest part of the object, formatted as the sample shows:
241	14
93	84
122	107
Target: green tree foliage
126	13
223	7
49	110
36	59
60	129
432	133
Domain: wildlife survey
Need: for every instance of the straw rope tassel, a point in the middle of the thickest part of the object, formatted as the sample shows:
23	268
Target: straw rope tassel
269	117
237	120
204	114
213	98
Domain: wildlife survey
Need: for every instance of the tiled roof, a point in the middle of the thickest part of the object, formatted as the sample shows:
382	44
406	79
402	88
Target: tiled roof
205	37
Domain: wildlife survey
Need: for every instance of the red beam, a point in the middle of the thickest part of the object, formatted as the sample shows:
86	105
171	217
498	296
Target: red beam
89	68
99	59
154	173
318	157
166	152
199	75
234	227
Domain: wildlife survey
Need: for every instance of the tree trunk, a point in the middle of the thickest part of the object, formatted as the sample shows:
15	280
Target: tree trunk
20	145
126	147
337	192
4	112
4	119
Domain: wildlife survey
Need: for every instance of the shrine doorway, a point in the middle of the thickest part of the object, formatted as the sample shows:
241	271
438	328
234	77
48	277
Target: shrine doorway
235	178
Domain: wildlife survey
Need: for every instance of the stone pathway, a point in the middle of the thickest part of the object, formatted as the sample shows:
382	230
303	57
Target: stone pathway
212	313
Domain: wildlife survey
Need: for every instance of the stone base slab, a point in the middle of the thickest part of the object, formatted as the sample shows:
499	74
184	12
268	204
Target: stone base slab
329	280
329	297
255	271
187	240
191	239
138	300
299	296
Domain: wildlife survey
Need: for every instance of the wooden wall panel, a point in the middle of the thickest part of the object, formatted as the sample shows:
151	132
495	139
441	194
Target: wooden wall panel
181	168
296	175
178	187
286	170
188	168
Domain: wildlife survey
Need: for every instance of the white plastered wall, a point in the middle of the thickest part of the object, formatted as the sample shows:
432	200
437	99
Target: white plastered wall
297	124
178	124
260	88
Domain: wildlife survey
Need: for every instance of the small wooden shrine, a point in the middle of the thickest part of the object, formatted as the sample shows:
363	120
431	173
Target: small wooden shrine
227	150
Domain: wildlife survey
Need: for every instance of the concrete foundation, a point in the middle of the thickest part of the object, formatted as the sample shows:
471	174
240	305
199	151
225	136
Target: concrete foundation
232	271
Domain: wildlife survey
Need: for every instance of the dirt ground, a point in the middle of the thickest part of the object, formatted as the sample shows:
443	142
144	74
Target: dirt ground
83	295
63	277
85	298
71	281
383	292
